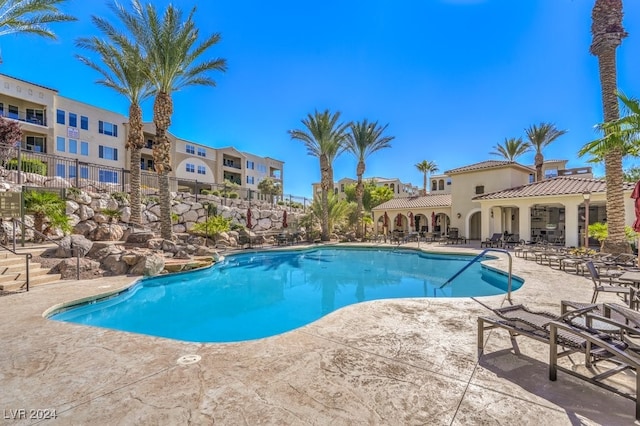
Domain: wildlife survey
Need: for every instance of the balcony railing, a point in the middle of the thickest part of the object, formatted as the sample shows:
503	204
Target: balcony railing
23	116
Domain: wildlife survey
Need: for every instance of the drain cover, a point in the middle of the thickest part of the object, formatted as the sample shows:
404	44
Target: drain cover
188	359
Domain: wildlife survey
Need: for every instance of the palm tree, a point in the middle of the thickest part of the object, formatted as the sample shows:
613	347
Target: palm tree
43	205
169	46
539	137
31	17
426	167
324	139
607	34
511	149
122	72
365	139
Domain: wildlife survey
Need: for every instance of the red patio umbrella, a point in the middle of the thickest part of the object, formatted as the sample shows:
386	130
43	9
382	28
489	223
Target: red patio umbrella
636	224
411	219
284	219
249	225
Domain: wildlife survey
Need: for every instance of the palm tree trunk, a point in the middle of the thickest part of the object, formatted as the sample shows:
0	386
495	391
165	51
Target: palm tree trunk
539	161
135	143
325	184
162	112
38	225
616	241
424	183
359	195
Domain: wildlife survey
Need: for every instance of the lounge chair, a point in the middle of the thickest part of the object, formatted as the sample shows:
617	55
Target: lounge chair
605	284
494	241
562	330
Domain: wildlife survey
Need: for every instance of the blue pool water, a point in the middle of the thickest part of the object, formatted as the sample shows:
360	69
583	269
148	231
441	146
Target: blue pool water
254	295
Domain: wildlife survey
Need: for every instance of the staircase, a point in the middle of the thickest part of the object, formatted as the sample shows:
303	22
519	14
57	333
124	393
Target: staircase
13	273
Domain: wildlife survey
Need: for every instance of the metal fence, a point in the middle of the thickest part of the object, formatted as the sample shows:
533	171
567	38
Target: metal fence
61	172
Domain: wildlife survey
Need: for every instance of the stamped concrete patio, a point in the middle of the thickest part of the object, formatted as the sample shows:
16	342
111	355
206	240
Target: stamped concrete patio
403	361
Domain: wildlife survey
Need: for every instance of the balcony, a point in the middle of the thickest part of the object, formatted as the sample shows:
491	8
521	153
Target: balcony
235	164
25	116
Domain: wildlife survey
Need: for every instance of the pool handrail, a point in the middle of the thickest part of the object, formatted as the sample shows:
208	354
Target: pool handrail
479	256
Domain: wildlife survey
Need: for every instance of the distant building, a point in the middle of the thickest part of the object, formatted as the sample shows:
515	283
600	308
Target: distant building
399	189
56	125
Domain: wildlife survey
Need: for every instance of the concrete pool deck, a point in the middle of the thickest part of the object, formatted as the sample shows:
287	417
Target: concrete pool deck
402	361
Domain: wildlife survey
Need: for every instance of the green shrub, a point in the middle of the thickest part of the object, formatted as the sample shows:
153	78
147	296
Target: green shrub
112	214
175	218
28	166
280	203
215	192
233	195
121	197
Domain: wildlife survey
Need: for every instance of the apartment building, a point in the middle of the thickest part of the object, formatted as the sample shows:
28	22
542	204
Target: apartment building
399	189
81	134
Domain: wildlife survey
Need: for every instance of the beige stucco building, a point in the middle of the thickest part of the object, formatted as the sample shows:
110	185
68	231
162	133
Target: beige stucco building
82	135
500	196
399	189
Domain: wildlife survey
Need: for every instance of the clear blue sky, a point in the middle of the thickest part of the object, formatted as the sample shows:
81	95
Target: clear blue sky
451	77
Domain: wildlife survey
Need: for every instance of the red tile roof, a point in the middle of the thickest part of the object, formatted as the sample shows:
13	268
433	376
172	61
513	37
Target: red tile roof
563	185
483	165
435	200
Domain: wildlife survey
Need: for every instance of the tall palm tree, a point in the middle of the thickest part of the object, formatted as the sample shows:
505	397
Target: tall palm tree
426	167
122	71
169	44
31	17
607	33
324	138
511	149
539	137
364	139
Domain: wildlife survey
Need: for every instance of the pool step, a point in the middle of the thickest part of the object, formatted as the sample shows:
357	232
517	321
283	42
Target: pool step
13	274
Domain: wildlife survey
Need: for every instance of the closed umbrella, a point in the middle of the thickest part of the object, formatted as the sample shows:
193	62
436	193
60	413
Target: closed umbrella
433	221
249	225
399	220
386	220
636	224
284	219
411	220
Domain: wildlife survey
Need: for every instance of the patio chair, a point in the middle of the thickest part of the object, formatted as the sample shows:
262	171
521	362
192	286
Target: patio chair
561	330
605	284
494	241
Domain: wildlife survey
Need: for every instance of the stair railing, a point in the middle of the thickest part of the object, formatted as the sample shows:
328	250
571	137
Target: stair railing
27	256
45	237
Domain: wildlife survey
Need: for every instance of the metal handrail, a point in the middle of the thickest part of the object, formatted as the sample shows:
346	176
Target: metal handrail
27	256
478	257
14	220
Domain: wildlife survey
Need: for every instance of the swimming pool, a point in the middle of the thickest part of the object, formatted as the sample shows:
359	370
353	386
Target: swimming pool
259	294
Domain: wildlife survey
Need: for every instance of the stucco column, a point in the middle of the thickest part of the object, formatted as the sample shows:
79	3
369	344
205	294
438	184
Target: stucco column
571	224
485	218
524	219
497	220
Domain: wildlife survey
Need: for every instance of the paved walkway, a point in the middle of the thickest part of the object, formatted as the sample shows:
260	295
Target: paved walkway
403	361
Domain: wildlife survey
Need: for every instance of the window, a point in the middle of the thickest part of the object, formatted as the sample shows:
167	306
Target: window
35	116
35	143
335	191
550	173
392	187
1	108
202	152
108	153
250	165
441	185
73	119
250	180
262	168
190	149
531	178
13	112
149	164
72	171
60	142
60	116
202	170
190	168
480	189
107	128
84	172
149	144
60	170
108	176
342	187
434	185
84	122
73	146
142	164
448	182
84	148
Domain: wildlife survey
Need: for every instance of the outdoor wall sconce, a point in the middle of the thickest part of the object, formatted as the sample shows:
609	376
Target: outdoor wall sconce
491	213
459	215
